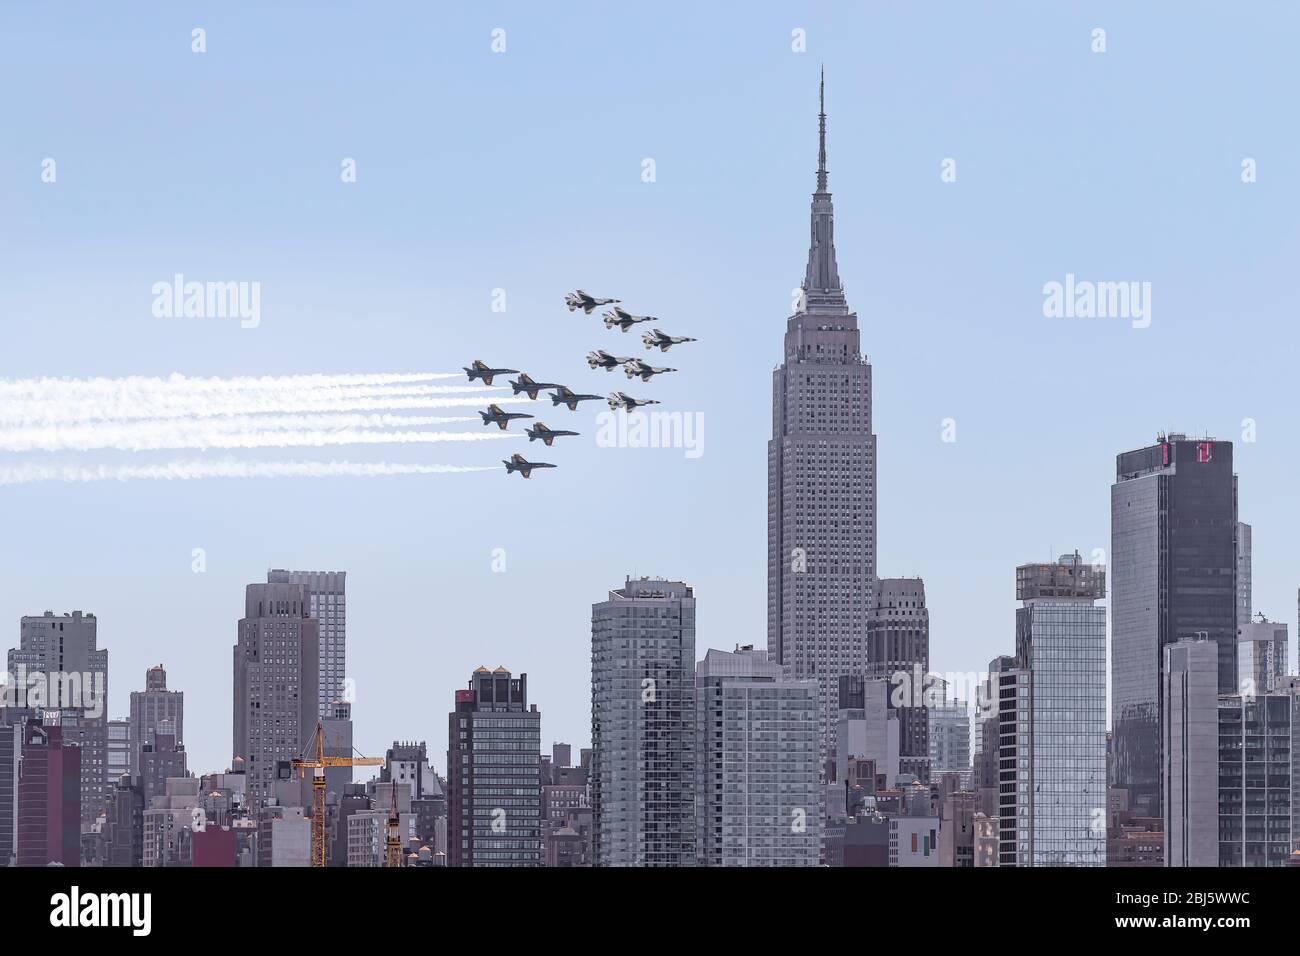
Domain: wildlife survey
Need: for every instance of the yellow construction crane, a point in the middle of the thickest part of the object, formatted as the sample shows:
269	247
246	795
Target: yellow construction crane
317	766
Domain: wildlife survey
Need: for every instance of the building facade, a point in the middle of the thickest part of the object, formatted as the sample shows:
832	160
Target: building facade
821	468
898	651
643	725
1173	577
50	784
494	791
275	683
1262	650
1190	779
327	603
64	650
1061	646
759	791
150	707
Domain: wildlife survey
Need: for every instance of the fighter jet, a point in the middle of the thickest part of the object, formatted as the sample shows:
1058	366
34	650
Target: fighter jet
656	339
619	400
566	396
516	462
602	359
525	384
625	319
479	370
636	368
547	435
577	299
494	416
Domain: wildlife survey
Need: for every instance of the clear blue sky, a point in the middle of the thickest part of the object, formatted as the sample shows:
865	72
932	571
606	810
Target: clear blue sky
522	171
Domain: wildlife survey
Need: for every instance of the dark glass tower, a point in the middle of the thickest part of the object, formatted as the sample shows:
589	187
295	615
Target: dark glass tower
821	479
1174	578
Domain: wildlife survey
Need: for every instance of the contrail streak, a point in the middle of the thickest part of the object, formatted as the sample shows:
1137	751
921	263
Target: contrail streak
55	387
185	435
190	470
56	413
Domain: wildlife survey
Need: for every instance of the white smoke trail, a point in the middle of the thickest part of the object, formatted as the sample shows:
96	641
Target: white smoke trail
191	470
177	383
185	435
320	401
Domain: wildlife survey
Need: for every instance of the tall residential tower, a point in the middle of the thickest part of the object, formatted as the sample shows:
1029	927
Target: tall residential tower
643	725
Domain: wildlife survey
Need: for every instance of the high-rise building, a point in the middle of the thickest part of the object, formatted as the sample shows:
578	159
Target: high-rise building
949	736
758	753
821	478
50	784
162	759
151	706
275	683
1061	644
957	830
1261	656
1173	578
336	726
1257	740
494	792
1190	778
867	729
1244	599
11	750
64	649
118	750
643	724
121	839
1229	773
407	764
1014	750
898	650
327	603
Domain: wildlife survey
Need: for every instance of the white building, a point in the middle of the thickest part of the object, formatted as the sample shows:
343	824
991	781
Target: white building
758	757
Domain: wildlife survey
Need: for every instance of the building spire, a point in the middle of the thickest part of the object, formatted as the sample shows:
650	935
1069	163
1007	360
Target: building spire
821	135
822	290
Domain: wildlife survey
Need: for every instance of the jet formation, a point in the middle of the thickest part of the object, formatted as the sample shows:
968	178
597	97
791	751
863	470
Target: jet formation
625	319
547	435
656	339
577	299
495	416
566	396
616	317
525	384
623	400
602	359
639	369
517	462
477	369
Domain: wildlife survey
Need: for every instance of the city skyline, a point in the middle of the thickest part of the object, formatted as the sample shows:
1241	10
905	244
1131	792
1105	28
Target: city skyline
132	562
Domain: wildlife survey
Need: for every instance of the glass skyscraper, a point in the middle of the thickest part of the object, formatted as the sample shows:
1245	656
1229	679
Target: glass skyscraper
1061	647
1174	568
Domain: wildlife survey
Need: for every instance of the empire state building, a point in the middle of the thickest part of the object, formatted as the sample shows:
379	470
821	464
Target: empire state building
821	478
